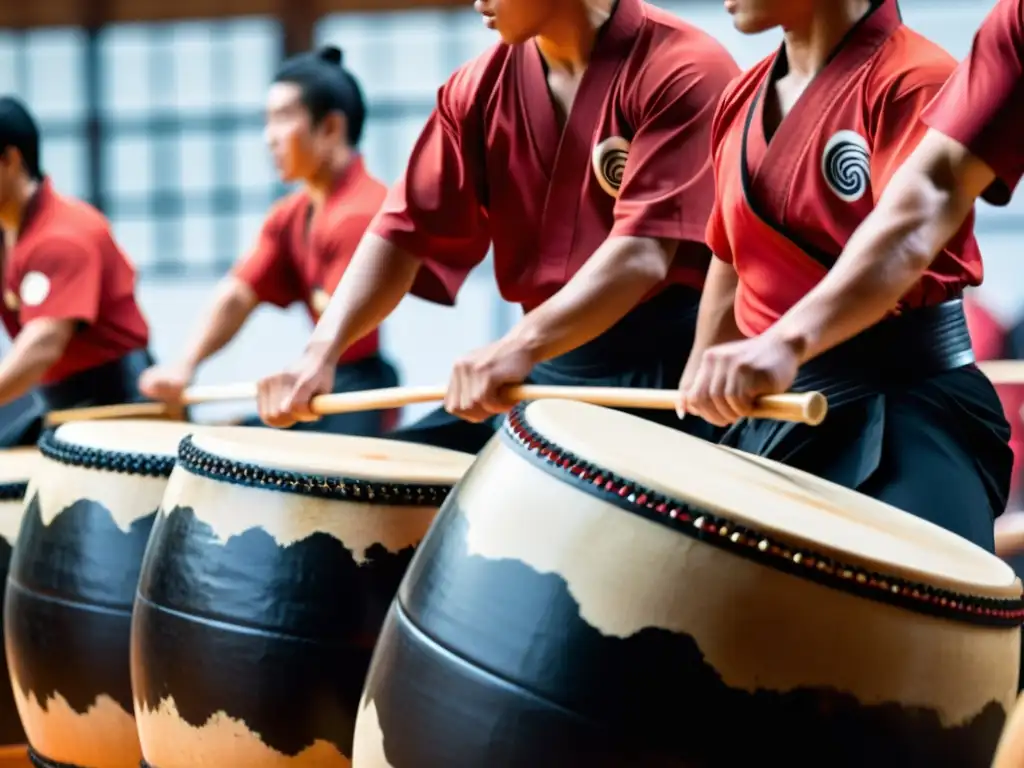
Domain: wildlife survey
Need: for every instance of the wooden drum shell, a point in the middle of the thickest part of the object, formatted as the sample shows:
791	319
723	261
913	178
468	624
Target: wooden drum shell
16	468
70	591
257	612
543	624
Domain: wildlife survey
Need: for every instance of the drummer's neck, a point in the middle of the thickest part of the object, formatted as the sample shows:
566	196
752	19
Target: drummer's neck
320	186
13	209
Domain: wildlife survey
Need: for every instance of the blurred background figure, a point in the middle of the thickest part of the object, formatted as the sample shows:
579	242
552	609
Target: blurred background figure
315	118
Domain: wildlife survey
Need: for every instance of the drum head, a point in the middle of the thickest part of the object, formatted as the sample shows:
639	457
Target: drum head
152	438
771	498
364	458
17	464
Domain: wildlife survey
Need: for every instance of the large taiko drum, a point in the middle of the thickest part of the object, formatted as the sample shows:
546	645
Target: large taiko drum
16	468
601	591
268	577
67	618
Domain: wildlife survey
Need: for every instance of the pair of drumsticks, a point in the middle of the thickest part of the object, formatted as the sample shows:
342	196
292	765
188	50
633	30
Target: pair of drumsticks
809	408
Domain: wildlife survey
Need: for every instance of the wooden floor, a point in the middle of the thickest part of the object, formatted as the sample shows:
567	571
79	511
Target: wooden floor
14	757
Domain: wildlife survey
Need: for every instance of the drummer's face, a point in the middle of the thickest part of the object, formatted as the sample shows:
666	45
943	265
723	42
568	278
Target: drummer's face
517	20
290	134
754	16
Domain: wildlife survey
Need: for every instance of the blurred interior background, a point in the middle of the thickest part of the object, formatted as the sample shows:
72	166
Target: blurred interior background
153	111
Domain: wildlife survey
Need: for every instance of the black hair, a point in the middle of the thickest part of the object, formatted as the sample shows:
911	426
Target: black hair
327	87
18	129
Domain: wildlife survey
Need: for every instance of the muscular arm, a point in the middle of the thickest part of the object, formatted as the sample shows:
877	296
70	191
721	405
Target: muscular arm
606	289
234	304
374	284
716	318
923	206
39	346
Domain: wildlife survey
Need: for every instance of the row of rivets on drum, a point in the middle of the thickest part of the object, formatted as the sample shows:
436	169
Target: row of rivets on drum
107	461
200	462
966	607
206	464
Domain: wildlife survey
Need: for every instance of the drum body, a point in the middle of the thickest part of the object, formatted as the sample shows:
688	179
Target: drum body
268	576
16	468
601	591
67	617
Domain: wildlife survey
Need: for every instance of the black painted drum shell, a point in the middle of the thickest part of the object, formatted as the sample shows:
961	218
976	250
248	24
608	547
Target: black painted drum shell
430	696
277	637
271	593
11	731
655	700
69	601
69	595
67	623
312	589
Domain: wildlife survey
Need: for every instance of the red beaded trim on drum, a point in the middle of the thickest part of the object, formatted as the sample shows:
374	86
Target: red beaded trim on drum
205	464
752	544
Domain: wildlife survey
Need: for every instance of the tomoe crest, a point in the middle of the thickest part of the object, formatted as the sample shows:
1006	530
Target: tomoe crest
846	165
609	162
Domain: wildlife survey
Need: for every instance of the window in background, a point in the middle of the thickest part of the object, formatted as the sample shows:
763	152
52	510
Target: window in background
401	58
9	65
182	118
45	68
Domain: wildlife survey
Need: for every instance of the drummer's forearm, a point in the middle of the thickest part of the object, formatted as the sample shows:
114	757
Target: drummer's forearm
716	318
38	347
379	276
924	205
233	306
605	289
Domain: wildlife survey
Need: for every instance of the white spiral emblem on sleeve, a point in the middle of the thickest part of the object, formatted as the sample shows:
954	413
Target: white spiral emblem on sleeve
609	161
846	165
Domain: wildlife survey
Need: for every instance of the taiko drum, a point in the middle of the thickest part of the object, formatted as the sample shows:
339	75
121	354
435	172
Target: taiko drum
603	591
67	618
268	576
16	468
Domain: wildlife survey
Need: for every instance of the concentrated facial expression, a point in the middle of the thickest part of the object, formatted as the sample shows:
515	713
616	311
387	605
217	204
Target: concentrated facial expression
516	20
297	146
753	16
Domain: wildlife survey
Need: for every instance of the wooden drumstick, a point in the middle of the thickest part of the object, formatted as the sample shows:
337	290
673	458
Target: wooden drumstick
192	396
1009	531
1003	371
807	408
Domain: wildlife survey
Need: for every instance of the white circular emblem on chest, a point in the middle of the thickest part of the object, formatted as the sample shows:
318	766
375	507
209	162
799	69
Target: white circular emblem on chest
609	162
319	301
846	165
35	287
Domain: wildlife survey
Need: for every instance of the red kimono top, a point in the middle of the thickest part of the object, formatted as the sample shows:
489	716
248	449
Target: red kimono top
493	167
785	208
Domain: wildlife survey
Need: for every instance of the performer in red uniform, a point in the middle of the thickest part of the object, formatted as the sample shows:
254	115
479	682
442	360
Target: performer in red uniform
315	117
805	144
577	148
68	290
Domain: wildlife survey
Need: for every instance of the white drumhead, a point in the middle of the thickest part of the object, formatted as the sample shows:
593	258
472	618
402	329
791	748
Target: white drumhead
360	458
153	438
17	464
769	497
